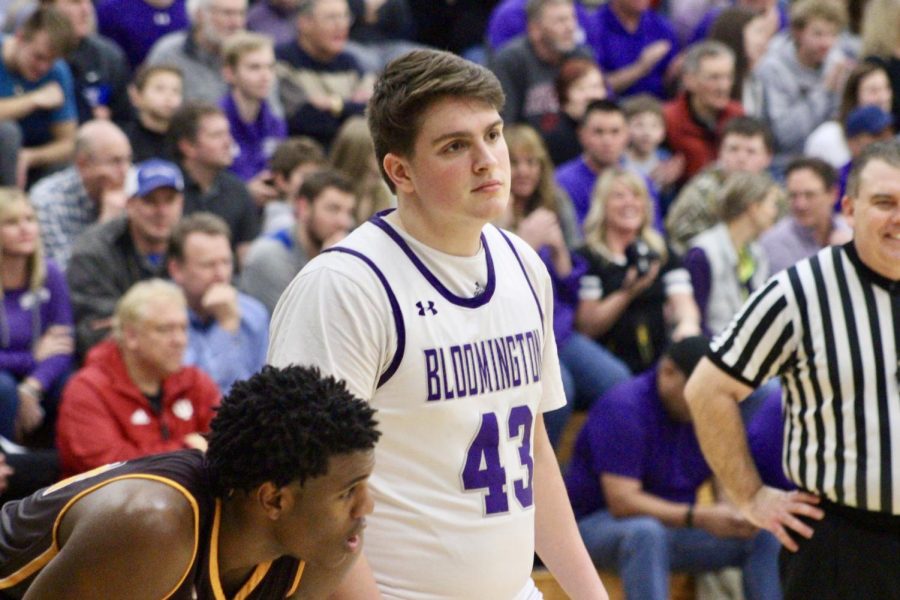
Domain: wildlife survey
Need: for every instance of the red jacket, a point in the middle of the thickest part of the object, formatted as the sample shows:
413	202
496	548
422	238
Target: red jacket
687	136
104	417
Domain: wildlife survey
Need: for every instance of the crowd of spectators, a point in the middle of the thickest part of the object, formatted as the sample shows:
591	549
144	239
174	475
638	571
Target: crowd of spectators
667	157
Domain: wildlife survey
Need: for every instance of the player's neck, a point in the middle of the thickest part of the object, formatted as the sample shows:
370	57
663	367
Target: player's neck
240	547
459	238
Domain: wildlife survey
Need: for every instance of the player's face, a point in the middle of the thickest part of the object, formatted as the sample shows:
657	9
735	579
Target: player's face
159	339
326	522
330	216
207	261
811	203
18	230
459	172
875	214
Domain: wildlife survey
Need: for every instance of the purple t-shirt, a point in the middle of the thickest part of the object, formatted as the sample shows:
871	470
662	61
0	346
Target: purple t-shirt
509	20
615	47
629	433
256	141
135	25
17	329
765	437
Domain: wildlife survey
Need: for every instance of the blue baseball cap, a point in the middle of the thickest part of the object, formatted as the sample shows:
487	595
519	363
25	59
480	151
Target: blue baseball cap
867	119
154	174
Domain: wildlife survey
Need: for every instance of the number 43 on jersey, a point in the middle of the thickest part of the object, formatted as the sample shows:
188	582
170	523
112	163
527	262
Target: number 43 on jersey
484	470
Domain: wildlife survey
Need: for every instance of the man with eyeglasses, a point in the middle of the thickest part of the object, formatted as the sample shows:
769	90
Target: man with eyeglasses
321	83
91	190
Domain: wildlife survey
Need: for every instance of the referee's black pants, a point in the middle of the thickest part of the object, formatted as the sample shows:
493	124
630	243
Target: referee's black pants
853	554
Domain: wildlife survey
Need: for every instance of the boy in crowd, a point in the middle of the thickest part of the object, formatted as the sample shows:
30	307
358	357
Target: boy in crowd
156	95
250	72
647	130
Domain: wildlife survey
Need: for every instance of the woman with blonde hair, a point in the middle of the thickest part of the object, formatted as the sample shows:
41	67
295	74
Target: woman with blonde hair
36	343
353	154
541	213
635	296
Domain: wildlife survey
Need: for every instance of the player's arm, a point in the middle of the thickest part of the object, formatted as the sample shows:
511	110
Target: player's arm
557	540
713	396
129	539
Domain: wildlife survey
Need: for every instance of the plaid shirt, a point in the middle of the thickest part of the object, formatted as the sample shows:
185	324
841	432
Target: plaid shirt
64	210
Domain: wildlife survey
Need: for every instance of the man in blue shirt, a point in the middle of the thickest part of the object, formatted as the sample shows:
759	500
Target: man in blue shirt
228	331
634	46
36	90
633	481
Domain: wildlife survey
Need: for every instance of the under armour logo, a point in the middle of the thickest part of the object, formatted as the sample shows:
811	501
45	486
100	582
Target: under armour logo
428	305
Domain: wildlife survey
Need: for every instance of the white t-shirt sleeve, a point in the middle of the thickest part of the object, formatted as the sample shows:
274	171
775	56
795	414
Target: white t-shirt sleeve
335	315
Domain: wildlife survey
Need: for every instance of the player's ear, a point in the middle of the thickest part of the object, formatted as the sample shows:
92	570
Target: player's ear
274	500
397	168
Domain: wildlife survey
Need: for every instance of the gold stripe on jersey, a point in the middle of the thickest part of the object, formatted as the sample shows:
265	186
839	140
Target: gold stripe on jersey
297	578
45	557
259	573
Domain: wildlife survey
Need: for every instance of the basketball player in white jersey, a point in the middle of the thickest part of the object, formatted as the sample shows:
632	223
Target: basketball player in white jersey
444	323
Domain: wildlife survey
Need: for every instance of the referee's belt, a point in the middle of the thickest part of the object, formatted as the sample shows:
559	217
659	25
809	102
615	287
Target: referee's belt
878	522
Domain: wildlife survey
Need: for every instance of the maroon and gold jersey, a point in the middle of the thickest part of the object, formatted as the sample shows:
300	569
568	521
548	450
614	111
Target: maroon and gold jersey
29	529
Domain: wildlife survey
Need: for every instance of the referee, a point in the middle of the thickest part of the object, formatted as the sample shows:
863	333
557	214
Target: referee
830	327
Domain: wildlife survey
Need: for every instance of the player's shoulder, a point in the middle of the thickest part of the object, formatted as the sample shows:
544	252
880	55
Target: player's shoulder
526	255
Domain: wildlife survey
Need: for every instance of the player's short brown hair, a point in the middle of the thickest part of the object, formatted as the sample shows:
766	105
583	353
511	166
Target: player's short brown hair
413	83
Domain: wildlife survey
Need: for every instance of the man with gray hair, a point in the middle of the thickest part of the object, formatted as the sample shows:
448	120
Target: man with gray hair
197	51
91	190
321	83
696	119
133	397
527	66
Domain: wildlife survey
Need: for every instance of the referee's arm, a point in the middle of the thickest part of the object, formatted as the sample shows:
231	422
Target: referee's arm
713	396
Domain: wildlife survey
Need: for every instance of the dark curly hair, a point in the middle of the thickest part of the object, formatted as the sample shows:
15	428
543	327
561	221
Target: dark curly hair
282	425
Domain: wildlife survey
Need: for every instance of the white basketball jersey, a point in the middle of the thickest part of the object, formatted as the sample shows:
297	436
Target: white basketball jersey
454	503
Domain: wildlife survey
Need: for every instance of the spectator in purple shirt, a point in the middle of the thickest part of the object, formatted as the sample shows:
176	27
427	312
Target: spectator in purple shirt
633	483
812	190
275	18
634	46
135	25
250	72
36	341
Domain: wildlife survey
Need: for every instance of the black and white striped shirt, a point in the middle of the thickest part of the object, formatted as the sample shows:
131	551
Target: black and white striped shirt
830	326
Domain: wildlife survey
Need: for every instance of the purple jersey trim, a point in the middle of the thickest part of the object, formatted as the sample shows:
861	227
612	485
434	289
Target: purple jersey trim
524	274
476	302
395	308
